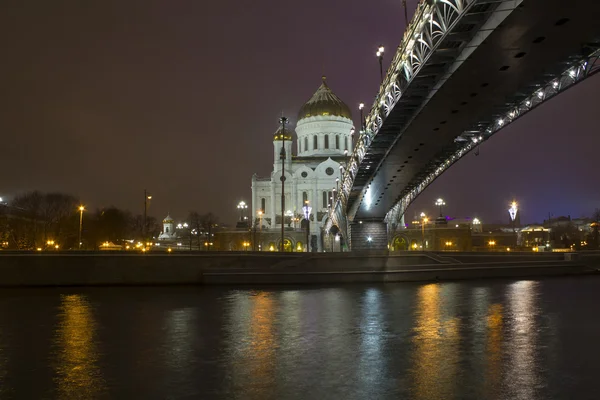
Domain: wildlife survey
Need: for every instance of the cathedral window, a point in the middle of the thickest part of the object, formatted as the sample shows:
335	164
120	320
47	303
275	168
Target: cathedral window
324	199
337	142
304	197
314	142
305	144
348	144
167	229
263	204
326	141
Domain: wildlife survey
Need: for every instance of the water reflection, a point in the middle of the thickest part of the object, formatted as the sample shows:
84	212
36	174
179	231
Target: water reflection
494	348
180	334
371	363
78	375
523	379
436	347
4	388
253	356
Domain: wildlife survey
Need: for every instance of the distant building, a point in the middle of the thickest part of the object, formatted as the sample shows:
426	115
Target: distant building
168	233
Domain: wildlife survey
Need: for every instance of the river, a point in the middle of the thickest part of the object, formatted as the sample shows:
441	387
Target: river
496	339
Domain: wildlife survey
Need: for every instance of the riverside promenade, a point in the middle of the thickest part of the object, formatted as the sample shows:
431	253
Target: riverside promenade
125	268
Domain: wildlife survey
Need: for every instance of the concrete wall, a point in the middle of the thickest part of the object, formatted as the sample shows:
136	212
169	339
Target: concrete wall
238	268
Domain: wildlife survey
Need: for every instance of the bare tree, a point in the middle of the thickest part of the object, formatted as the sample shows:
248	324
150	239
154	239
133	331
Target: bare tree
208	223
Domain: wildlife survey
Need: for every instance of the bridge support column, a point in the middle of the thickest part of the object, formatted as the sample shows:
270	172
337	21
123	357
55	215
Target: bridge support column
369	235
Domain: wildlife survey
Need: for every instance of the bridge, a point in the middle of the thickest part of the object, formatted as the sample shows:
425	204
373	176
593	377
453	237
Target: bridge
464	70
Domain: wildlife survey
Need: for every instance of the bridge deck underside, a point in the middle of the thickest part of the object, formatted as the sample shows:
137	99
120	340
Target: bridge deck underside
534	43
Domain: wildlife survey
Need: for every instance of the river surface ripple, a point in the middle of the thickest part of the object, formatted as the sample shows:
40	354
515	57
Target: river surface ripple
496	339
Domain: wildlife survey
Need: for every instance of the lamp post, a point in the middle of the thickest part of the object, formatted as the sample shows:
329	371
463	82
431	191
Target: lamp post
242	206
260	215
440	203
424	220
512	211
81	210
380	57
362	120
306	209
147	197
282	155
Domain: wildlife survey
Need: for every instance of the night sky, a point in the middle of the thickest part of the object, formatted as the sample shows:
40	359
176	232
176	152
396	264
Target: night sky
103	99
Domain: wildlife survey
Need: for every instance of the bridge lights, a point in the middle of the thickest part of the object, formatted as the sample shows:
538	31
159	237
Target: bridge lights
379	54
440	203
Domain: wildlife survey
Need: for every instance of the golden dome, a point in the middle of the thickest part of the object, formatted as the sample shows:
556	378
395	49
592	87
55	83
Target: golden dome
168	220
279	135
324	102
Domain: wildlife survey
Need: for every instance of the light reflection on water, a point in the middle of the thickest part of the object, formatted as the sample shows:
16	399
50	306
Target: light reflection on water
436	350
523	320
77	372
489	340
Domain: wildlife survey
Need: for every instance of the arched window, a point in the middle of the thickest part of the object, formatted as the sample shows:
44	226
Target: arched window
314	142
348	147
324	199
304	197
326	141
337	142
167	229
263	204
306	144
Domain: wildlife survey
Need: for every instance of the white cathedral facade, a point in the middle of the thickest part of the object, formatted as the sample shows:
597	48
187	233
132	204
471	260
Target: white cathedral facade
323	141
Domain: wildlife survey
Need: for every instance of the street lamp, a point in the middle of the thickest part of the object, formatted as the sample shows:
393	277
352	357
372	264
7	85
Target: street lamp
147	197
362	120
512	211
380	56
242	206
424	220
440	203
306	209
283	120
260	215
81	210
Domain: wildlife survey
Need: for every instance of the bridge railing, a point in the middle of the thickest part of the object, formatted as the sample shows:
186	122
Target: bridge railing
577	72
429	25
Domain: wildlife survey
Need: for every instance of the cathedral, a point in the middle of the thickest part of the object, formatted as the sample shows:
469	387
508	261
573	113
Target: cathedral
323	143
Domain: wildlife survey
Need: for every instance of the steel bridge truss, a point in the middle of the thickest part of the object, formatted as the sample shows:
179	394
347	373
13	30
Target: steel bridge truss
483	130
430	26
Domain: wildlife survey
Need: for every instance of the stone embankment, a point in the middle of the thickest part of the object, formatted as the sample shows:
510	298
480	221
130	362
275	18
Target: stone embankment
103	268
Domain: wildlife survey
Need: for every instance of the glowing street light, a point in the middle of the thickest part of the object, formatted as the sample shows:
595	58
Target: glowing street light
362	120
424	221
242	206
379	54
440	203
147	198
512	211
81	210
